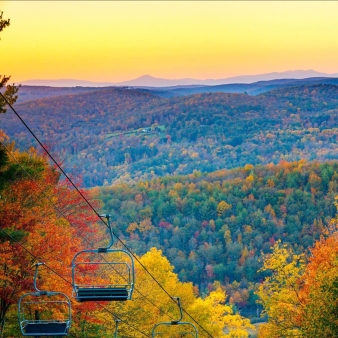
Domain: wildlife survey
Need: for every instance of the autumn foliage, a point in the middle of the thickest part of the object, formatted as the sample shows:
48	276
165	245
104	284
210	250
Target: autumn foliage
101	131
300	296
42	219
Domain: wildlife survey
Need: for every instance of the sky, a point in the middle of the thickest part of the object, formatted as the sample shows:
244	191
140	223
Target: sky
121	40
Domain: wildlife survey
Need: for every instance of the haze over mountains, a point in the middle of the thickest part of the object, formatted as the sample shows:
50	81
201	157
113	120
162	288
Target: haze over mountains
150	81
28	93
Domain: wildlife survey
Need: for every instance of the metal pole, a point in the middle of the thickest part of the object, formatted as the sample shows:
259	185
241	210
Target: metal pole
116	325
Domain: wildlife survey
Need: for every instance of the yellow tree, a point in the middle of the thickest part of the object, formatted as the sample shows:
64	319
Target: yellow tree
222	207
301	299
211	312
280	292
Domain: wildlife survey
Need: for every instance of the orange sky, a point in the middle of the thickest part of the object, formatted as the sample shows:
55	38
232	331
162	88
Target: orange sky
121	40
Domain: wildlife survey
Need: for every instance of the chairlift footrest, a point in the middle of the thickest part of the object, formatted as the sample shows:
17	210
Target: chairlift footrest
101	294
44	329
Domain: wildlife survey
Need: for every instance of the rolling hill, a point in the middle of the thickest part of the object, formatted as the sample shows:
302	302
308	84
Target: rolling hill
115	134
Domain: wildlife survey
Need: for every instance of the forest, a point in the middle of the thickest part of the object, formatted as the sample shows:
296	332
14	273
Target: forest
206	132
42	219
227	243
226	203
215	227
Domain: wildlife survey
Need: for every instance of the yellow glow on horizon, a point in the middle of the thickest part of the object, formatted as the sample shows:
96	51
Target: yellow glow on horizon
120	40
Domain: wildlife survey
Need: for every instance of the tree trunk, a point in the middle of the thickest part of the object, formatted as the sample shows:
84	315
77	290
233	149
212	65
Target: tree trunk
3	309
2	325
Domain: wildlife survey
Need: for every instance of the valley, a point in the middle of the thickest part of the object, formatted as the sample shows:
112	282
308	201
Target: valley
212	180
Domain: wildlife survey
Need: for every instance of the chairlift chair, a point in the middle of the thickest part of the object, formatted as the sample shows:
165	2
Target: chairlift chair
35	312
96	291
193	332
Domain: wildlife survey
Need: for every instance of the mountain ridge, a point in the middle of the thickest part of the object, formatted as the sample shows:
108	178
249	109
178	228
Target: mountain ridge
28	93
151	81
122	134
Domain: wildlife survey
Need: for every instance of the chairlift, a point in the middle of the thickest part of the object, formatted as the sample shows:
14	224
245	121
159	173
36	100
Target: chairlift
104	290
191	333
37	312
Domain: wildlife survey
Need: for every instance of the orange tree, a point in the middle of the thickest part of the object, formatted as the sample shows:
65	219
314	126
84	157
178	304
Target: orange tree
31	227
300	297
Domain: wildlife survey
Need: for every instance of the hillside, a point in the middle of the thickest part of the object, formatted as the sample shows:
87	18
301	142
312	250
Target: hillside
127	134
215	227
171	161
42	219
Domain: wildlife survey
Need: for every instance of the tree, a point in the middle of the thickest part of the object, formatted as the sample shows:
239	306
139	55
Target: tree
300	298
34	226
3	23
319	291
10	92
280	292
211	312
222	207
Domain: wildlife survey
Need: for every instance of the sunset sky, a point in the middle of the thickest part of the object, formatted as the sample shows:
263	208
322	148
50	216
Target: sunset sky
121	40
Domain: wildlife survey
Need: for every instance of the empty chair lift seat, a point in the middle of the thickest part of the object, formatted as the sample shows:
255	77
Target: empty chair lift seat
119	263
85	294
44	313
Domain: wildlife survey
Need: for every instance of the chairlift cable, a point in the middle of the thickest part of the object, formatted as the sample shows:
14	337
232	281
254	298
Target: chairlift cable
193	330
98	215
56	273
78	233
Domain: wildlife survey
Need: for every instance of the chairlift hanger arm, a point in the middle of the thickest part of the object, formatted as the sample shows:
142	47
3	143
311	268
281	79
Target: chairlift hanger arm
180	307
36	275
177	322
104	249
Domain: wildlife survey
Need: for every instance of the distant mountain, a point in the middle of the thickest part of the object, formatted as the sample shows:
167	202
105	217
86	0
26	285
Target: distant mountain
28	93
291	74
150	81
248	88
